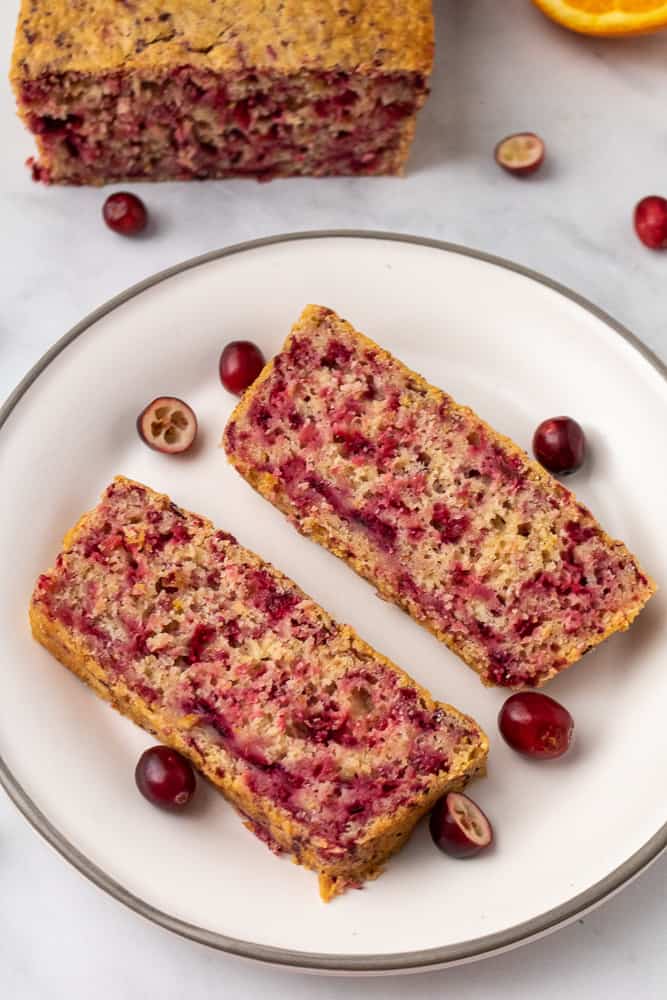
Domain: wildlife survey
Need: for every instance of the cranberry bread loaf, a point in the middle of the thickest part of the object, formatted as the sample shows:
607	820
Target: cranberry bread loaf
448	519
329	751
180	89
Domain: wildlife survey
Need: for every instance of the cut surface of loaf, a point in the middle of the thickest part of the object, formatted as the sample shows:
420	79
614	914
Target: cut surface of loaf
329	751
182	89
447	518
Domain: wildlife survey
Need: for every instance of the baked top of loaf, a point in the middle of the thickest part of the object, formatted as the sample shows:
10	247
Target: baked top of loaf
316	736
449	519
100	36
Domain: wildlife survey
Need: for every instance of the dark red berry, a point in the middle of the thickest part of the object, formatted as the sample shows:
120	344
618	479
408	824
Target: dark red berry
168	425
459	827
559	444
165	778
520	154
651	222
536	725
125	213
240	364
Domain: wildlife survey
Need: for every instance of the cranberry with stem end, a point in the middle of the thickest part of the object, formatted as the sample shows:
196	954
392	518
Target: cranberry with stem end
651	222
536	725
168	425
125	213
559	444
520	154
165	778
240	364
459	827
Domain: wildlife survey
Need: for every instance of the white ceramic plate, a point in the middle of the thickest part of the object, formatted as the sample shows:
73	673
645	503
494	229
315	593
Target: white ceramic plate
517	349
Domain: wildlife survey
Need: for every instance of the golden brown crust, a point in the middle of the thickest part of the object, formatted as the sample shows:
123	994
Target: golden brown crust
383	837
98	36
271	488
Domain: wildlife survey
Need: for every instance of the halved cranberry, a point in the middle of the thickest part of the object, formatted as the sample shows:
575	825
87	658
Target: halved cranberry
559	444
125	213
168	425
240	364
520	153
651	222
459	827
536	725
165	778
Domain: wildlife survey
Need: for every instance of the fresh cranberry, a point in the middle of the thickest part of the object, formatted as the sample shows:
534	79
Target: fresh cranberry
520	153
168	425
536	725
559	445
165	778
125	213
459	827
651	222
240	364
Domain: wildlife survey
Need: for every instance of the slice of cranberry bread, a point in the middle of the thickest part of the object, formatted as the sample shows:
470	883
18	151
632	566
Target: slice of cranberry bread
448	519
329	751
180	89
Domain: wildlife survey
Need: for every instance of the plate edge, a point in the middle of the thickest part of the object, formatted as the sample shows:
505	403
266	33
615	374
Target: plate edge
433	958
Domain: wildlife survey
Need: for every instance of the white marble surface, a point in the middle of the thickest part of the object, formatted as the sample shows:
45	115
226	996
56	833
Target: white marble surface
501	67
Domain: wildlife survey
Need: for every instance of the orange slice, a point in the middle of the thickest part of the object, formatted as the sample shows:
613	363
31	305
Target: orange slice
607	17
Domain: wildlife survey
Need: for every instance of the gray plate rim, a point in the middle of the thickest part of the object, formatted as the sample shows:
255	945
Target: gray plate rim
467	951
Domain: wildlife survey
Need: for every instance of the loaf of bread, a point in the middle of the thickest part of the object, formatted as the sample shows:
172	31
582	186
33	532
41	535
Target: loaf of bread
328	750
447	518
181	89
